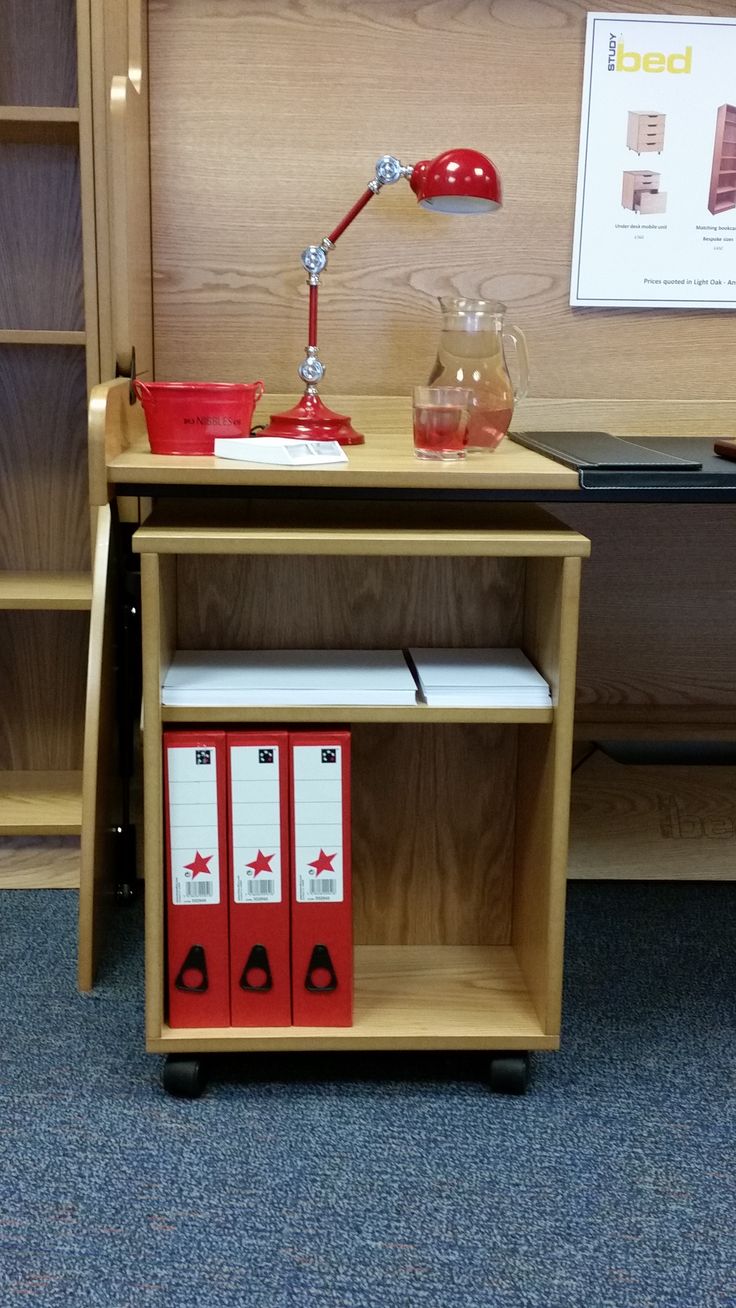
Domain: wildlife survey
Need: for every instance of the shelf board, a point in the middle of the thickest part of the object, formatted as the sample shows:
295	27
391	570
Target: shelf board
45	590
418	529
39	863
40	803
37	113
29	124
22	336
354	713
406	997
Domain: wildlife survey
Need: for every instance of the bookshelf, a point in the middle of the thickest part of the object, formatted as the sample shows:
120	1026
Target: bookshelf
458	911
48	358
722	194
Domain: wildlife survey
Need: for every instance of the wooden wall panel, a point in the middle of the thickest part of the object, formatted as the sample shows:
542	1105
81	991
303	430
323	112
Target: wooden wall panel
43	659
41	247
44	514
29	29
266	121
347	603
658	608
442	877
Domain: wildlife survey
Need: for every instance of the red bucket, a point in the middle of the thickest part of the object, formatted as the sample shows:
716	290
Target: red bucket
185	417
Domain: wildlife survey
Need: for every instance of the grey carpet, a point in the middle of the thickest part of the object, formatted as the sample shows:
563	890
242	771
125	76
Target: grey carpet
379	1182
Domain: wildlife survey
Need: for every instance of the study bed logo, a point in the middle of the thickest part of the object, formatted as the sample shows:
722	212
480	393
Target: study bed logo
622	60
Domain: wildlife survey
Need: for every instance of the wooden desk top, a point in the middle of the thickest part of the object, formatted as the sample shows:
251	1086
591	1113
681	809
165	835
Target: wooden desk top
120	456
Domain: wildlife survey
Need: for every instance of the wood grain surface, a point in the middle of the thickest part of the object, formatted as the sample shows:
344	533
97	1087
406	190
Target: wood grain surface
44	514
236	196
101	801
634	822
433	825
316	91
30	863
41	246
38	55
42	668
347	603
47	803
658	607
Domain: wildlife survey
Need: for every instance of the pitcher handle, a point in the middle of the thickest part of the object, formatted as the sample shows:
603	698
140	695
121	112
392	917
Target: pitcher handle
516	335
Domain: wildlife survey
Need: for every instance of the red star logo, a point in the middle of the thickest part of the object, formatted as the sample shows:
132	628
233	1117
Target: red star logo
261	863
199	864
323	863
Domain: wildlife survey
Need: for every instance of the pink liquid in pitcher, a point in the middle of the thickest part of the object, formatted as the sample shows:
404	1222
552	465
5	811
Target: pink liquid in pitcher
487	427
475	359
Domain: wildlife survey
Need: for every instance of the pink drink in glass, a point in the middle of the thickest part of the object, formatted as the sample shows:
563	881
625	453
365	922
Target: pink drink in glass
441	422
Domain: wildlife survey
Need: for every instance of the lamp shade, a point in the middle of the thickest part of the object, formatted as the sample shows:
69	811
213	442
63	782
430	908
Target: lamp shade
457	181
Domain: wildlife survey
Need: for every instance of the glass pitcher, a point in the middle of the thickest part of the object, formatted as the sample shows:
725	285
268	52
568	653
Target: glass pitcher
472	353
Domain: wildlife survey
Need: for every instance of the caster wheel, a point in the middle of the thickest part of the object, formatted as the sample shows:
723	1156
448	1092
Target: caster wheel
183	1076
509	1074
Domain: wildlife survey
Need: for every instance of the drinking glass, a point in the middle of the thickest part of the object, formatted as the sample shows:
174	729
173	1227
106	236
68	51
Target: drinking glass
441	415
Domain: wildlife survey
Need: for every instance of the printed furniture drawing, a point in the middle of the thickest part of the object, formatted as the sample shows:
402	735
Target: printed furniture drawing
645	131
641	193
723	175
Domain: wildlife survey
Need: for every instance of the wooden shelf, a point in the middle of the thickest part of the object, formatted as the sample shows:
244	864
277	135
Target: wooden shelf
406	997
414	713
22	113
42	125
45	590
39	863
451	530
19	336
40	803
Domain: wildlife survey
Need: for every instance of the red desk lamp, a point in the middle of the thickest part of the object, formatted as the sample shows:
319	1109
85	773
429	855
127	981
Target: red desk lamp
458	181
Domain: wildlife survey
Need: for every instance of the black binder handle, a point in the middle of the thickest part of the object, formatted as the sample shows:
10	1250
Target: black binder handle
257	961
195	961
320	962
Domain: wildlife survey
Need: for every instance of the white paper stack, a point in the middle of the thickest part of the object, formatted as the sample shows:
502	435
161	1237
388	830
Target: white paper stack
479	678
281	452
245	678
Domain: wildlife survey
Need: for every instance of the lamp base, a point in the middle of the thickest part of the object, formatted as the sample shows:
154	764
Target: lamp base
311	420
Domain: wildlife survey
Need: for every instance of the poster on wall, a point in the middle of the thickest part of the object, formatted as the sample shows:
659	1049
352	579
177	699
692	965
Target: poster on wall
655	216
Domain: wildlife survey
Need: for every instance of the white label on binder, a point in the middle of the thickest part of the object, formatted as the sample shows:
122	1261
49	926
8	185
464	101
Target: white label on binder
255	807
318	824
193	827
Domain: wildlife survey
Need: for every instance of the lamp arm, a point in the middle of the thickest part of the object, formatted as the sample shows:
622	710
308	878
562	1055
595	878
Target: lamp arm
314	259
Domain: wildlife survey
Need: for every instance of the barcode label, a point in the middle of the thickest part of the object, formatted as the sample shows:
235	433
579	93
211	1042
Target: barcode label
259	889
325	886
199	889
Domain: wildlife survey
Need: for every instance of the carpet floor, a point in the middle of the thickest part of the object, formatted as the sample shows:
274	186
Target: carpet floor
379	1182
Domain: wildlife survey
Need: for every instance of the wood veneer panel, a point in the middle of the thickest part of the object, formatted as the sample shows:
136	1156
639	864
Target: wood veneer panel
658	607
433	832
41	238
42	802
44	515
229	223
347	603
38	52
39	863
42	674
640	823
